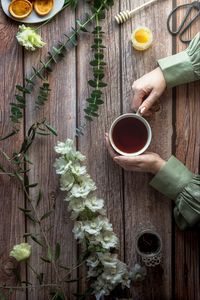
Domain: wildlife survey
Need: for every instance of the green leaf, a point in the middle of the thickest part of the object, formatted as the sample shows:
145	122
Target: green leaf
49	254
32	185
42	133
64	268
98	41
45	259
20	99
88	118
23	89
53	130
92	83
57	295
31	217
94	63
94	114
36	240
102	84
24	210
2	138
46	215
29	81
37	73
82	28
57	251
27	160
98	55
39	198
40	278
26	234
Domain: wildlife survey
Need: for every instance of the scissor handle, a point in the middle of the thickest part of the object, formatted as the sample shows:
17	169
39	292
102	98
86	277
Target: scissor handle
189	8
187	27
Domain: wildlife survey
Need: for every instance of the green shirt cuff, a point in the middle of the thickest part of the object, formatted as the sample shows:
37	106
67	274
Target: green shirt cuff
177	69
182	67
172	178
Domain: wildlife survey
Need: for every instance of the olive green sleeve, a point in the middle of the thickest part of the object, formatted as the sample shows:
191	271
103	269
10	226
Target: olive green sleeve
175	181
182	67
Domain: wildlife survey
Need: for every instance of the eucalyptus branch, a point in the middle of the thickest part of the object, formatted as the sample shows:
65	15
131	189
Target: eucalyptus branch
24	182
95	99
17	109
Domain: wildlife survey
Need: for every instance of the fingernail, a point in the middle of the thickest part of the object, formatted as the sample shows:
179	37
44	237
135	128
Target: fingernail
142	110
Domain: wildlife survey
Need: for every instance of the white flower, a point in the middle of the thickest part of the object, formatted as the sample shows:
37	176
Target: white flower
68	149
77	169
101	287
92	261
107	239
114	273
62	165
82	189
77	205
21	251
65	148
94	204
78	231
66	182
79	156
93	264
27	37
94	226
108	260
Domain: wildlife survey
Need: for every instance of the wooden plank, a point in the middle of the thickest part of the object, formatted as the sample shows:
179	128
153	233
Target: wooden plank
144	207
187	244
12	220
107	175
60	111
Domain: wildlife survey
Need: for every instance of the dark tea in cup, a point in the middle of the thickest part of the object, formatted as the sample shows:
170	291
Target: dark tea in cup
130	134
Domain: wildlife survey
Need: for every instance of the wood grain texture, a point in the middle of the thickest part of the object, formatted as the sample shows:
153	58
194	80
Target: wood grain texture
187	244
11	219
60	112
132	205
145	208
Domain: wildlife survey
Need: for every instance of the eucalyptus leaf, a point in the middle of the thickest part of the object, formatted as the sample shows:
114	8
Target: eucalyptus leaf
35	239
57	251
46	215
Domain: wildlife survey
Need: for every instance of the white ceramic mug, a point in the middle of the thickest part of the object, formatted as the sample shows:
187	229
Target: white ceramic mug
148	128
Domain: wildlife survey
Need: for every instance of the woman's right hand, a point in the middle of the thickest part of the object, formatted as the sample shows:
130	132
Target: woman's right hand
147	91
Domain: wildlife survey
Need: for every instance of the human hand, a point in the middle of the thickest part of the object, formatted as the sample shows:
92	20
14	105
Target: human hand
147	162
147	90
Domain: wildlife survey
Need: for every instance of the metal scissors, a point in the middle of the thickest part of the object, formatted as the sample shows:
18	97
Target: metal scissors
183	27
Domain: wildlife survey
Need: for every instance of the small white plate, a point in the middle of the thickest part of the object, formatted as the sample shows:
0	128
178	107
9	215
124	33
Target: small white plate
33	17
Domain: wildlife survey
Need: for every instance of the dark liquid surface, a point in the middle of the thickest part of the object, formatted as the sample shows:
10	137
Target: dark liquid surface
148	243
130	135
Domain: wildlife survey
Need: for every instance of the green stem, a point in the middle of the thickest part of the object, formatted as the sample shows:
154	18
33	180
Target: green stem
51	59
98	51
20	179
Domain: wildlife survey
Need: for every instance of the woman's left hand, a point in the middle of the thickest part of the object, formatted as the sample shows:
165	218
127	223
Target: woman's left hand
146	162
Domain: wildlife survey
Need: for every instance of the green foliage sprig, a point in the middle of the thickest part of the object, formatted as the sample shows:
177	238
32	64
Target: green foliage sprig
98	64
57	53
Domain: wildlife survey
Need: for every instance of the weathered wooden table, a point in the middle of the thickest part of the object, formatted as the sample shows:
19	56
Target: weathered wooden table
130	201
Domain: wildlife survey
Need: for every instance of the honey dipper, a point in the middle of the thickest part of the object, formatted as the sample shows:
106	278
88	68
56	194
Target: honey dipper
124	16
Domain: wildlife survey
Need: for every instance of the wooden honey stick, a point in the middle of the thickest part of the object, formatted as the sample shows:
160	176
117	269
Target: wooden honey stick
124	16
